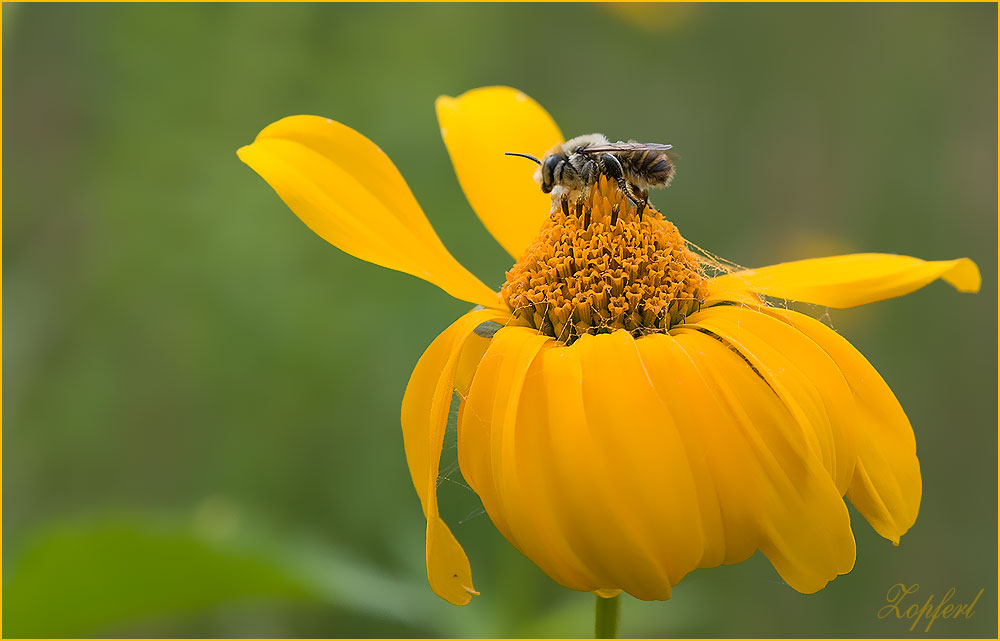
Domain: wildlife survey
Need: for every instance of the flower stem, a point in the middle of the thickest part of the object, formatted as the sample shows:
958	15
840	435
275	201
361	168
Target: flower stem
606	617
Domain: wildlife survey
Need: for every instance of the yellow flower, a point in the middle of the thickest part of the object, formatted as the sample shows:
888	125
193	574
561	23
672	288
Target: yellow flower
632	419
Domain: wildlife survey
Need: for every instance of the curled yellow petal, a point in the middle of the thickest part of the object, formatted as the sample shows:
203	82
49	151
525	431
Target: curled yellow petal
801	373
773	488
845	281
424	417
886	486
478	127
348	191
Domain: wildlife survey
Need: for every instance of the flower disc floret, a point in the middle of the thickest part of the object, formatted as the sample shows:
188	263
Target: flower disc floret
599	268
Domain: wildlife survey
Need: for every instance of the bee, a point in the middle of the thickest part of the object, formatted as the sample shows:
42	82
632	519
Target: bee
569	169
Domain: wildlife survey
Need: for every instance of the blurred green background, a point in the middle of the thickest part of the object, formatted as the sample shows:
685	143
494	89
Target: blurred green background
202	397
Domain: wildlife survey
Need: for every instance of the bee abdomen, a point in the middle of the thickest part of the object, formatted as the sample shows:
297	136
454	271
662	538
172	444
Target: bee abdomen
653	167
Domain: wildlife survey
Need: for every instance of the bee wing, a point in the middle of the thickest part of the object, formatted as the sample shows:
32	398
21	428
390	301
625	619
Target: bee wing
624	146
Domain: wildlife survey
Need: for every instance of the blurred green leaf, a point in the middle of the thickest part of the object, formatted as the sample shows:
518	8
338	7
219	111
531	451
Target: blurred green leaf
81	577
75	579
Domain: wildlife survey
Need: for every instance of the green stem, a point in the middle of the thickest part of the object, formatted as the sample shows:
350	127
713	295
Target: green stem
606	617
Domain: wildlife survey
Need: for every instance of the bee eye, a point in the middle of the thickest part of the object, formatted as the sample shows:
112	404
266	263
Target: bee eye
548	172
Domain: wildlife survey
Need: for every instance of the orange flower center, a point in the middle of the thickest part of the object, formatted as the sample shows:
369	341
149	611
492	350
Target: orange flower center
583	275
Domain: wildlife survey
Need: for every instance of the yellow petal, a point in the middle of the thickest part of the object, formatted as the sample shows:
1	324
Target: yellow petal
715	453
585	489
424	417
552	477
646	456
886	487
468	362
478	127
498	457
774	486
348	191
801	373
845	281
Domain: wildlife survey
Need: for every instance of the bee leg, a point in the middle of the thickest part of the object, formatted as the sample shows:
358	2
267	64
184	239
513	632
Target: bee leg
644	194
613	168
639	206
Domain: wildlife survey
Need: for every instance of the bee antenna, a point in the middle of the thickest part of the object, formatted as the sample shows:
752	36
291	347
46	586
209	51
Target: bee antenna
528	156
